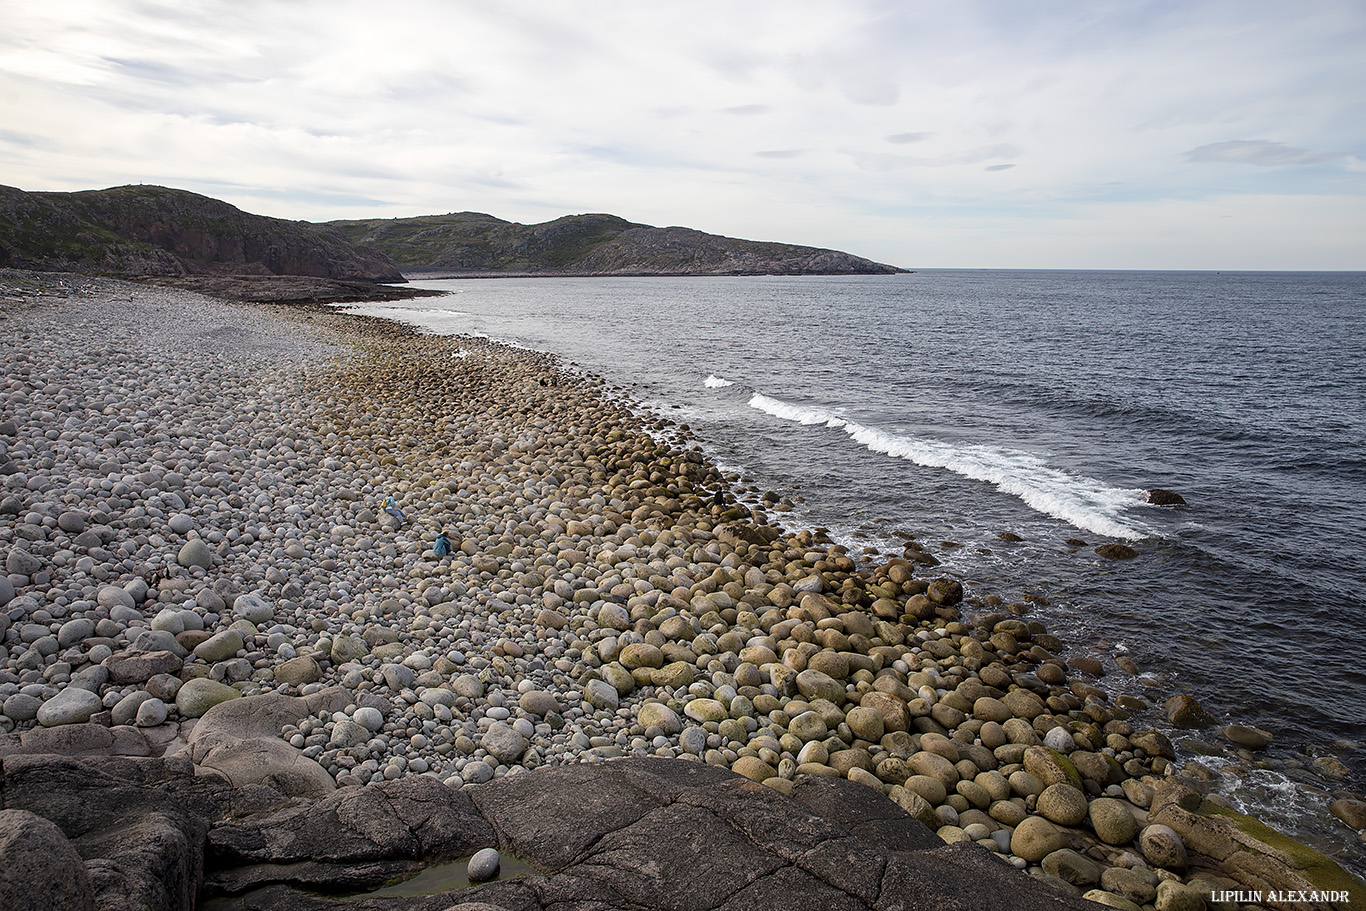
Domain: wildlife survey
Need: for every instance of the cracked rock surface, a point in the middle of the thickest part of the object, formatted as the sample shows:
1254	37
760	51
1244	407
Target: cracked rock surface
628	834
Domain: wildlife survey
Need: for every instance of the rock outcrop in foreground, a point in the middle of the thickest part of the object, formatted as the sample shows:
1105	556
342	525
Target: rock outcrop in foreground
131	833
154	231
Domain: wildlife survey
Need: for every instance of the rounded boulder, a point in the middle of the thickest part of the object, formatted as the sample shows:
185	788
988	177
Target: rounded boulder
1036	838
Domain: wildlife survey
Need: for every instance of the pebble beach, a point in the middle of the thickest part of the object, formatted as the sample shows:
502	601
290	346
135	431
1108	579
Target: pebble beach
202	500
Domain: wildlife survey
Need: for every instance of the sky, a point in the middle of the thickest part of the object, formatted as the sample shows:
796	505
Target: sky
1194	134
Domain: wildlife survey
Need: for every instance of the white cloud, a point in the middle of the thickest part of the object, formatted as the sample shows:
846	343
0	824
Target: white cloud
1261	152
857	126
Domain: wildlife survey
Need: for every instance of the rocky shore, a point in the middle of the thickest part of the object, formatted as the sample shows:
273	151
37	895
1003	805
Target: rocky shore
207	576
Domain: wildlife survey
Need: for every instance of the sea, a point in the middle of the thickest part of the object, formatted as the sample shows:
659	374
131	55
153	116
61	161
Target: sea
961	406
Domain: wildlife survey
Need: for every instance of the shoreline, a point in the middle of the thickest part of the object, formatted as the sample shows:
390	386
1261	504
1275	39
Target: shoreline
590	577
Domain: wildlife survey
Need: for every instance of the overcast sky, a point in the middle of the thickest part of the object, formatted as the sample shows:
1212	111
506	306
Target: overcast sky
970	133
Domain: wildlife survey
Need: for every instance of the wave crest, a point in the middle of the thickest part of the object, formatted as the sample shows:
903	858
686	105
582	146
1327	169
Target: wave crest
1084	502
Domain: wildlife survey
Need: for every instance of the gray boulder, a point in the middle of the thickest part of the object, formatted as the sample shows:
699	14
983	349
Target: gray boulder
240	739
71	706
194	553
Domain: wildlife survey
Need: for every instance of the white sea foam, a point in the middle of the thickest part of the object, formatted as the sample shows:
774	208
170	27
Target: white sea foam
715	382
1078	500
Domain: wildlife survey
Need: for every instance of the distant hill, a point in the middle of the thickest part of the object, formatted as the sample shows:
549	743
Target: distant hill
146	231
157	232
474	243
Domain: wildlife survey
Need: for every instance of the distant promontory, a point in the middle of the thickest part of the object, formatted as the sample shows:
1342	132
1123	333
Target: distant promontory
472	243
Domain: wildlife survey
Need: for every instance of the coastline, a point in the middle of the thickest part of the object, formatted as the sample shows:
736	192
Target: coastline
590	577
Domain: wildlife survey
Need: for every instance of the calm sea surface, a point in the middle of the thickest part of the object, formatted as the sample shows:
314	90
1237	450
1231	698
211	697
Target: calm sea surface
960	405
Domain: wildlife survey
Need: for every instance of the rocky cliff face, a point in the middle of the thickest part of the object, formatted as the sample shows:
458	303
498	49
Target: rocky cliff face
152	231
471	242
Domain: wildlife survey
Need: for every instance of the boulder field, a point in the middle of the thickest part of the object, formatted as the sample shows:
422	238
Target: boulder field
235	666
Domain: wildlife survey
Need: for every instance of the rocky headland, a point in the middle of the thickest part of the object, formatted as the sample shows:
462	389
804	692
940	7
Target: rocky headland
151	232
235	669
472	243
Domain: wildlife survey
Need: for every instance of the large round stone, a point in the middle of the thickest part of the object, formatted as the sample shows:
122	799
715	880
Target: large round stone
1162	847
703	710
484	865
1036	838
808	726
71	706
893	710
220	646
252	608
1063	804
348	648
1069	866
673	675
601	695
112	596
945	591
619	678
1112	821
1176	896
199	695
369	717
659	715
1185	712
1248	737
298	671
935	766
753	768
831	663
504	742
1050	767
641	654
817	685
195	552
866	723
347	734
539	702
988	708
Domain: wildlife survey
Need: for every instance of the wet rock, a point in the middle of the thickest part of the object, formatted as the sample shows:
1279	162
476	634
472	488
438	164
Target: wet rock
1349	810
1184	711
1160	497
1117	551
484	865
945	591
1248	737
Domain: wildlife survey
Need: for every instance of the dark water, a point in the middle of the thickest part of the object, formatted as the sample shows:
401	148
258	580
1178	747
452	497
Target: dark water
958	405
